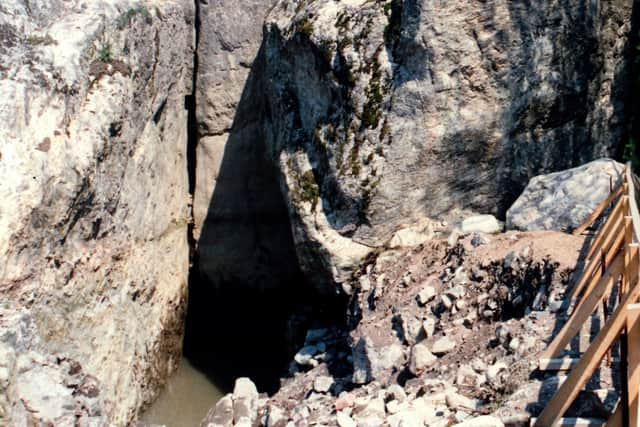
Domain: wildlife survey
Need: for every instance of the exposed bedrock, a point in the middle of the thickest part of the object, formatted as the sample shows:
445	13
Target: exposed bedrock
95	205
382	114
241	222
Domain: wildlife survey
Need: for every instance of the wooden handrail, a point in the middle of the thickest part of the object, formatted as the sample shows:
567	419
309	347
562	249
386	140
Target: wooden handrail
613	262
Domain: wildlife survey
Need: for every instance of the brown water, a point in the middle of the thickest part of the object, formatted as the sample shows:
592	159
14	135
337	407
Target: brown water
185	400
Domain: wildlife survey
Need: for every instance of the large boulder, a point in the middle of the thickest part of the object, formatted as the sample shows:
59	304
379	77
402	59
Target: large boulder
564	200
382	114
94	203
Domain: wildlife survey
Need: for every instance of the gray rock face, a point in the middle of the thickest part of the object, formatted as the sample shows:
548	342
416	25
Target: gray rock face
94	211
563	200
380	115
241	221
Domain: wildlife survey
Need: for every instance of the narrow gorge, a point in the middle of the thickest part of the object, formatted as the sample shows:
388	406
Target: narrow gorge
298	192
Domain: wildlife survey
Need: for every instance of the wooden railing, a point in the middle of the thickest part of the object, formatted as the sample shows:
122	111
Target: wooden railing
611	272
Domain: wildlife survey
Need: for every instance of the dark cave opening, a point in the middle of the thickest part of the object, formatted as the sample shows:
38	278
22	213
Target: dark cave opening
233	331
236	328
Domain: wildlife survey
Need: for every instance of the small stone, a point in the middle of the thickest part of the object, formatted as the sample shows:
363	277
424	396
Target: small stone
393	406
528	342
443	346
373	414
479	239
411	326
345	400
481	224
322	384
365	283
421	358
275	416
429	327
4	377
457	401
446	302
453	238
514	344
494	370
243	422
478	365
223	412
242	408
345	420
555	306
244	387
460	277
509	260
467	377
304	357
396	392
481	421
503	335
426	295
456	292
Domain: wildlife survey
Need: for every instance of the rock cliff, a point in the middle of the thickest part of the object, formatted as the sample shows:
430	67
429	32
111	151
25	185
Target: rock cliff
94	214
382	114
241	222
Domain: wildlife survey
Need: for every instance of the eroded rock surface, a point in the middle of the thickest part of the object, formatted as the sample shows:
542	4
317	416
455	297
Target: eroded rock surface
382	114
564	200
241	221
93	135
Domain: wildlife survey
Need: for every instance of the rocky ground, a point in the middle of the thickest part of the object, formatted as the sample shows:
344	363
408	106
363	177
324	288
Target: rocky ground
445	333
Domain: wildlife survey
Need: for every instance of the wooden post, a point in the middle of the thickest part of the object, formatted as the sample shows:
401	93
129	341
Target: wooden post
601	207
632	339
607	235
608	227
628	240
592	266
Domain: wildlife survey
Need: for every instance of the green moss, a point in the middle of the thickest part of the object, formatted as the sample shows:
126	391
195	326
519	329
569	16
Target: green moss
34	40
309	189
385	131
354	159
369	159
372	110
104	54
127	17
305	26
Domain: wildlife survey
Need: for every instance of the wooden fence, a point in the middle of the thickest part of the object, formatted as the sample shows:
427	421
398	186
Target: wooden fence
611	272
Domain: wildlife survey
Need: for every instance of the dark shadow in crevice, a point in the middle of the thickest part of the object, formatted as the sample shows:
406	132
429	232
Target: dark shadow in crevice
249	303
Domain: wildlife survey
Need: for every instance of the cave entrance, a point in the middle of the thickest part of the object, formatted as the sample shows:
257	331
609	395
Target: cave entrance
233	331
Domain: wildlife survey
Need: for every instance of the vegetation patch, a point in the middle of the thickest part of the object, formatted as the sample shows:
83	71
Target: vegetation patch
35	40
305	26
104	54
127	17
100	68
310	190
371	113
